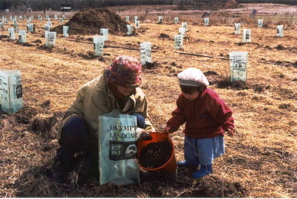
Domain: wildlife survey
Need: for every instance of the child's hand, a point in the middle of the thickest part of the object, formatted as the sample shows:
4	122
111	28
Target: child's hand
230	132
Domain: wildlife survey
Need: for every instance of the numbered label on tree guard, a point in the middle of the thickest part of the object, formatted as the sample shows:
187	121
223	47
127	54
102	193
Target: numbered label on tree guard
238	65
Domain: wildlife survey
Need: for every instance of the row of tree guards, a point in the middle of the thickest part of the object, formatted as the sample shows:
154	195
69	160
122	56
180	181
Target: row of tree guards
11	99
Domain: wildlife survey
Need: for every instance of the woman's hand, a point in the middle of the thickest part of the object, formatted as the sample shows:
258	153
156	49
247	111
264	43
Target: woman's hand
167	130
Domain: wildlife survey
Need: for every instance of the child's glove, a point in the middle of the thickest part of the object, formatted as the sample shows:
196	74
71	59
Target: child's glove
143	135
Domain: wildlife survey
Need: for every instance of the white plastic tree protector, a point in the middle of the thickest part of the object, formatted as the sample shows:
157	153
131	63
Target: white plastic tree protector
16	26
238	65
130	29
104	33
247	36
137	24
65	31
11	94
260	23
61	20
185	26
30	27
117	141
280	30
160	19
182	31
1	25
127	18
98	42
237	28
175	20
178	41
50	38
145	52
22	36
11	33
135	19
206	21
47	27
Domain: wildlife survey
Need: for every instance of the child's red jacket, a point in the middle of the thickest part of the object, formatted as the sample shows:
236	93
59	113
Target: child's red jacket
206	117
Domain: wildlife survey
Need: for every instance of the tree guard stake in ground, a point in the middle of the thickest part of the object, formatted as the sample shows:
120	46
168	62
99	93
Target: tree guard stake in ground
238	65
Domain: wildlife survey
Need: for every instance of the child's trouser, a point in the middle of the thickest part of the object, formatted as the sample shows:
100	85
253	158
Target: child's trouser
203	151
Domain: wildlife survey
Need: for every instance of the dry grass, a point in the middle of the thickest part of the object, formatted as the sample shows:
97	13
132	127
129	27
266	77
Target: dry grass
261	157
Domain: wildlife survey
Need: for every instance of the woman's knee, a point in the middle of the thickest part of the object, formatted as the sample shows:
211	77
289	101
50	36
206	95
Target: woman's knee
74	132
140	120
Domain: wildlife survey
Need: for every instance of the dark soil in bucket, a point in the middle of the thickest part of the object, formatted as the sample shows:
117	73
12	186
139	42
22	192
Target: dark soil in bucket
155	154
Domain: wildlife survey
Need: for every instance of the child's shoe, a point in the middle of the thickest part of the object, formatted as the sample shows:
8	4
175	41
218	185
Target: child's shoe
203	171
185	164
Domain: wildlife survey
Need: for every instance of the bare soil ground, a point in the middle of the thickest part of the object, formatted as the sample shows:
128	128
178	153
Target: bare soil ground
260	161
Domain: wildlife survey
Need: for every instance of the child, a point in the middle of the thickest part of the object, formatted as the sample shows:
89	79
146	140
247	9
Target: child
207	119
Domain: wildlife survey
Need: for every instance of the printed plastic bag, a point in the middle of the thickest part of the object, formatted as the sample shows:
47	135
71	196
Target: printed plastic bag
117	139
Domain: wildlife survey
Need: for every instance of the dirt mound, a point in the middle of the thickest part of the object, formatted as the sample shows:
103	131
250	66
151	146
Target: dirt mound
89	21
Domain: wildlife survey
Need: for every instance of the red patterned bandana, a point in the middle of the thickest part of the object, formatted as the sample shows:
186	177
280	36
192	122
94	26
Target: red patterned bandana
125	71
